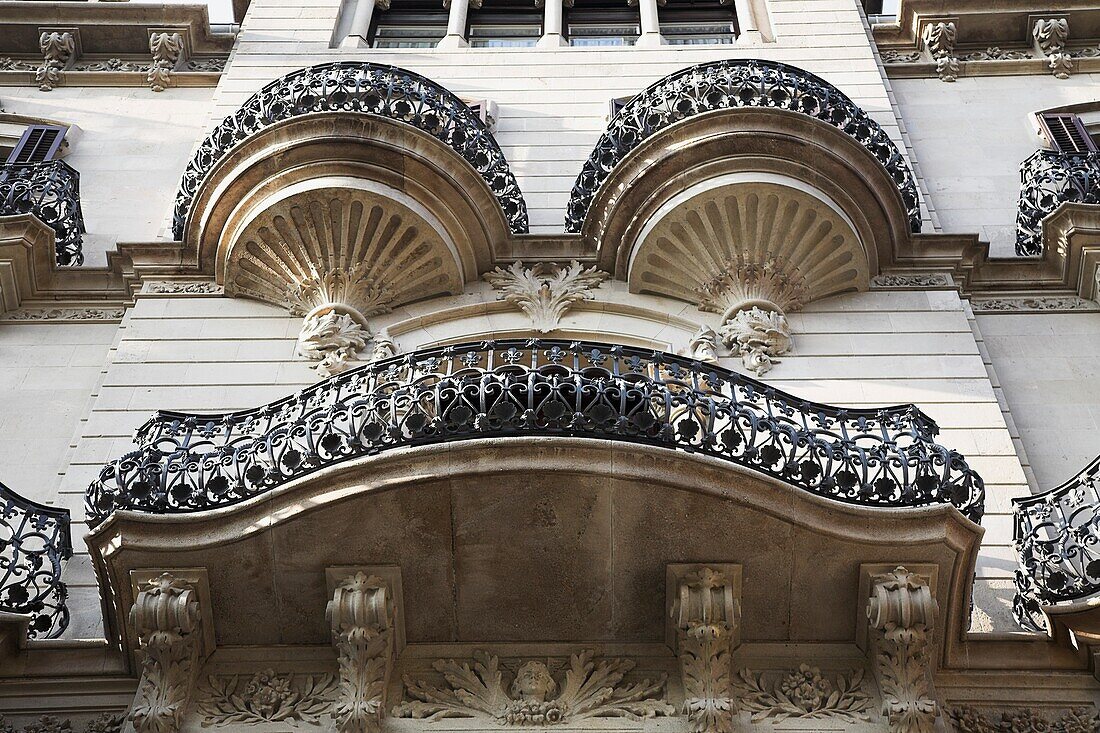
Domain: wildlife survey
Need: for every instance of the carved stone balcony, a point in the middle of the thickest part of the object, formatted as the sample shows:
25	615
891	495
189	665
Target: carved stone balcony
1057	536
1049	179
34	542
876	457
50	191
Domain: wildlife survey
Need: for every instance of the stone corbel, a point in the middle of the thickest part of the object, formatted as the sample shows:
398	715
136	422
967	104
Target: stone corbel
173	632
901	617
1049	36
363	617
939	38
705	611
170	48
60	49
754	299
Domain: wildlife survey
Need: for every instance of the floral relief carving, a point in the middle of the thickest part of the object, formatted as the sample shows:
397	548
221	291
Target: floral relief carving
704	346
65	314
174	287
106	723
939	39
167	49
967	719
910	281
1034	303
331	339
759	335
706	615
804	694
266	697
1050	35
588	690
58	49
546	291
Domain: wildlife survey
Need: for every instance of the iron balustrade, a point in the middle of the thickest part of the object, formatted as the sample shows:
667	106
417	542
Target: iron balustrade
726	85
874	457
1048	179
50	191
1057	535
360	87
34	543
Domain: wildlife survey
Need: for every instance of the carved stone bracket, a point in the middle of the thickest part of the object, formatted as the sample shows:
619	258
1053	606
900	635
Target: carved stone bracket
59	51
362	618
704	346
546	291
705	613
901	615
1050	36
169	50
169	627
939	38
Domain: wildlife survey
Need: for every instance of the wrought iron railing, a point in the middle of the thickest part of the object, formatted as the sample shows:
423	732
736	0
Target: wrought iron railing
34	542
1057	536
1049	179
374	89
877	457
50	191
724	85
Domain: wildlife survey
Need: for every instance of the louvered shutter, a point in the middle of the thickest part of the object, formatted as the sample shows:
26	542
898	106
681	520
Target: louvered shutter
38	144
1067	134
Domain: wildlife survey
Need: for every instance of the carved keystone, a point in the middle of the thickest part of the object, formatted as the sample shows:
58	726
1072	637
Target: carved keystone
706	618
939	38
168	623
901	615
363	618
547	290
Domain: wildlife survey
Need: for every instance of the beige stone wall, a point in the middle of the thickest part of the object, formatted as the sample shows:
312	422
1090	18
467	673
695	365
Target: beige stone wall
970	138
131	150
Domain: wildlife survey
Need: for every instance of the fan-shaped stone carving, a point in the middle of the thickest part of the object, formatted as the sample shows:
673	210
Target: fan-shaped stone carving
337	256
752	251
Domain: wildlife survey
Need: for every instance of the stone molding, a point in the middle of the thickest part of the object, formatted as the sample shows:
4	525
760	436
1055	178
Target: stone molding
902	616
547	290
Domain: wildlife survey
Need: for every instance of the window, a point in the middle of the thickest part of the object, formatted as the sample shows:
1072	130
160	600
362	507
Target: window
409	24
697	22
1066	133
601	23
38	144
504	24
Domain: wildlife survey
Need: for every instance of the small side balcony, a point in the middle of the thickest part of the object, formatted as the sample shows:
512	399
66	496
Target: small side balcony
1049	179
50	191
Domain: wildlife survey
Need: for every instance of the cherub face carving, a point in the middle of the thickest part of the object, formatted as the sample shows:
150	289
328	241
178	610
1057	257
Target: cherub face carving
533	682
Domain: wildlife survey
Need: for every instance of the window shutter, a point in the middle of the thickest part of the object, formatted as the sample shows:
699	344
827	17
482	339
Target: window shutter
1067	134
617	104
38	144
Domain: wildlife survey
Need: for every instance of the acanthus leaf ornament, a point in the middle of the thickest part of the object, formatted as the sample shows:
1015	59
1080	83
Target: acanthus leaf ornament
168	624
706	615
588	690
361	616
331	339
266	696
1050	36
967	719
167	50
939	38
759	336
803	694
58	51
902	613
546	291
704	346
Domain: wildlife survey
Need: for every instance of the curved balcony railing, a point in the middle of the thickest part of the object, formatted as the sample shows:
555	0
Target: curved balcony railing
1057	536
883	457
34	542
50	191
366	88
725	85
1049	179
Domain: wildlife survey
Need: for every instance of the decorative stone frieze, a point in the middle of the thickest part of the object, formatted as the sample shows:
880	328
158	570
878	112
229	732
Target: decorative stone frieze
361	616
58	52
167	49
166	619
64	314
803	694
1024	304
1050	36
935	280
546	291
704	345
902	613
706	613
534	697
266	696
967	719
939	38
106	723
179	287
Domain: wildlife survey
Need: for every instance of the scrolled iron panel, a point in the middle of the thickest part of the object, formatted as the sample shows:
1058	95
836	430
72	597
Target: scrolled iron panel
725	85
1057	536
373	89
50	191
34	543
1048	179
882	458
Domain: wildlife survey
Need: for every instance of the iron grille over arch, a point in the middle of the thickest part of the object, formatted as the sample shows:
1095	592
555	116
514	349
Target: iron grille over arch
372	89
725	85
